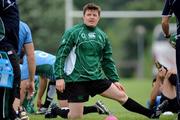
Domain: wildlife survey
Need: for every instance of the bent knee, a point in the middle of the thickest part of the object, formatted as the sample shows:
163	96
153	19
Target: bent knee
122	97
74	116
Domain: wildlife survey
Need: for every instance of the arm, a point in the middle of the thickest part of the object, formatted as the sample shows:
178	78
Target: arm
63	51
25	37
165	26
156	86
29	49
108	64
155	92
166	14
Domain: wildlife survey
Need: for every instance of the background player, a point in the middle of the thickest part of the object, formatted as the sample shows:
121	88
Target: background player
165	86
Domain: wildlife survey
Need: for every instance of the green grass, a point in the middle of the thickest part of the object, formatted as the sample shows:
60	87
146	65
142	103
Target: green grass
139	90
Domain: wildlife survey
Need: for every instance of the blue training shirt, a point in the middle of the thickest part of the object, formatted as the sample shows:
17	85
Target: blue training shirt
41	58
25	35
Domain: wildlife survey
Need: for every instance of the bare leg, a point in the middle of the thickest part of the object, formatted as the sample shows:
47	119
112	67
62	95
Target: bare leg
114	93
63	103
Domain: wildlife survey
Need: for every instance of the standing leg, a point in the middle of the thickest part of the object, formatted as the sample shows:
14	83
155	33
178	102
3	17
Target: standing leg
51	90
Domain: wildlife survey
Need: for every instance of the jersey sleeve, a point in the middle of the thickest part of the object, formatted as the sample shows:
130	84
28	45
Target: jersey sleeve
67	43
28	37
167	11
108	64
5	4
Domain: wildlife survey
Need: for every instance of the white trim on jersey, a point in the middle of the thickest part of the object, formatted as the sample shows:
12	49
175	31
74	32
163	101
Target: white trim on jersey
70	62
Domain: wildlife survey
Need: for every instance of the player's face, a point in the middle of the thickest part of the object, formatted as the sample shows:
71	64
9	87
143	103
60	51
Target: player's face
91	18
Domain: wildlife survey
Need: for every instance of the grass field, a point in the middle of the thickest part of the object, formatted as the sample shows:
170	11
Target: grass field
136	89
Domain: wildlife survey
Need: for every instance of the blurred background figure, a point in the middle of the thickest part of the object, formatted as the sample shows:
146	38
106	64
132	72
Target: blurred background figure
162	51
9	29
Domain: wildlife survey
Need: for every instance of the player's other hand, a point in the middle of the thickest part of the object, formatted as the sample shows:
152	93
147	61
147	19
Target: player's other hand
30	88
119	86
39	103
60	85
161	73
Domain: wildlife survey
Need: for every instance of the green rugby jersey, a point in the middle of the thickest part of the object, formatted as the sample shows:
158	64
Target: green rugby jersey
85	54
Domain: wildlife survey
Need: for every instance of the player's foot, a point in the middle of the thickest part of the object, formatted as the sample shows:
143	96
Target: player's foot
101	108
42	110
52	112
22	114
160	108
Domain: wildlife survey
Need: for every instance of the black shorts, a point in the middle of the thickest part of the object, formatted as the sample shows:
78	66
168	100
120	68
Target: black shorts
80	91
172	106
62	96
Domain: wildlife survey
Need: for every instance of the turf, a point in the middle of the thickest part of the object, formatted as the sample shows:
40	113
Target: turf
139	90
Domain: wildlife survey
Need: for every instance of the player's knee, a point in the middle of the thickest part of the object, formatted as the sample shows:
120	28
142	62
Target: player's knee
122	97
75	116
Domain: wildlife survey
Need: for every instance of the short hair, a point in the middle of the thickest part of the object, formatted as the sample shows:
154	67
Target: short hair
91	6
154	80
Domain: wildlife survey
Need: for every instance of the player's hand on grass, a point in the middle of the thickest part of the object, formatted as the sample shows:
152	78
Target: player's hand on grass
119	86
60	85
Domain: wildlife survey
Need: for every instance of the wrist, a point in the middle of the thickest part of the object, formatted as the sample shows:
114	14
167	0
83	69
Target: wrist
167	36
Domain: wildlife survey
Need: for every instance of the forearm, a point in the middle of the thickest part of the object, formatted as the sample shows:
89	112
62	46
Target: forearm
165	25
58	66
153	99
108	63
111	72
31	67
155	91
29	48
